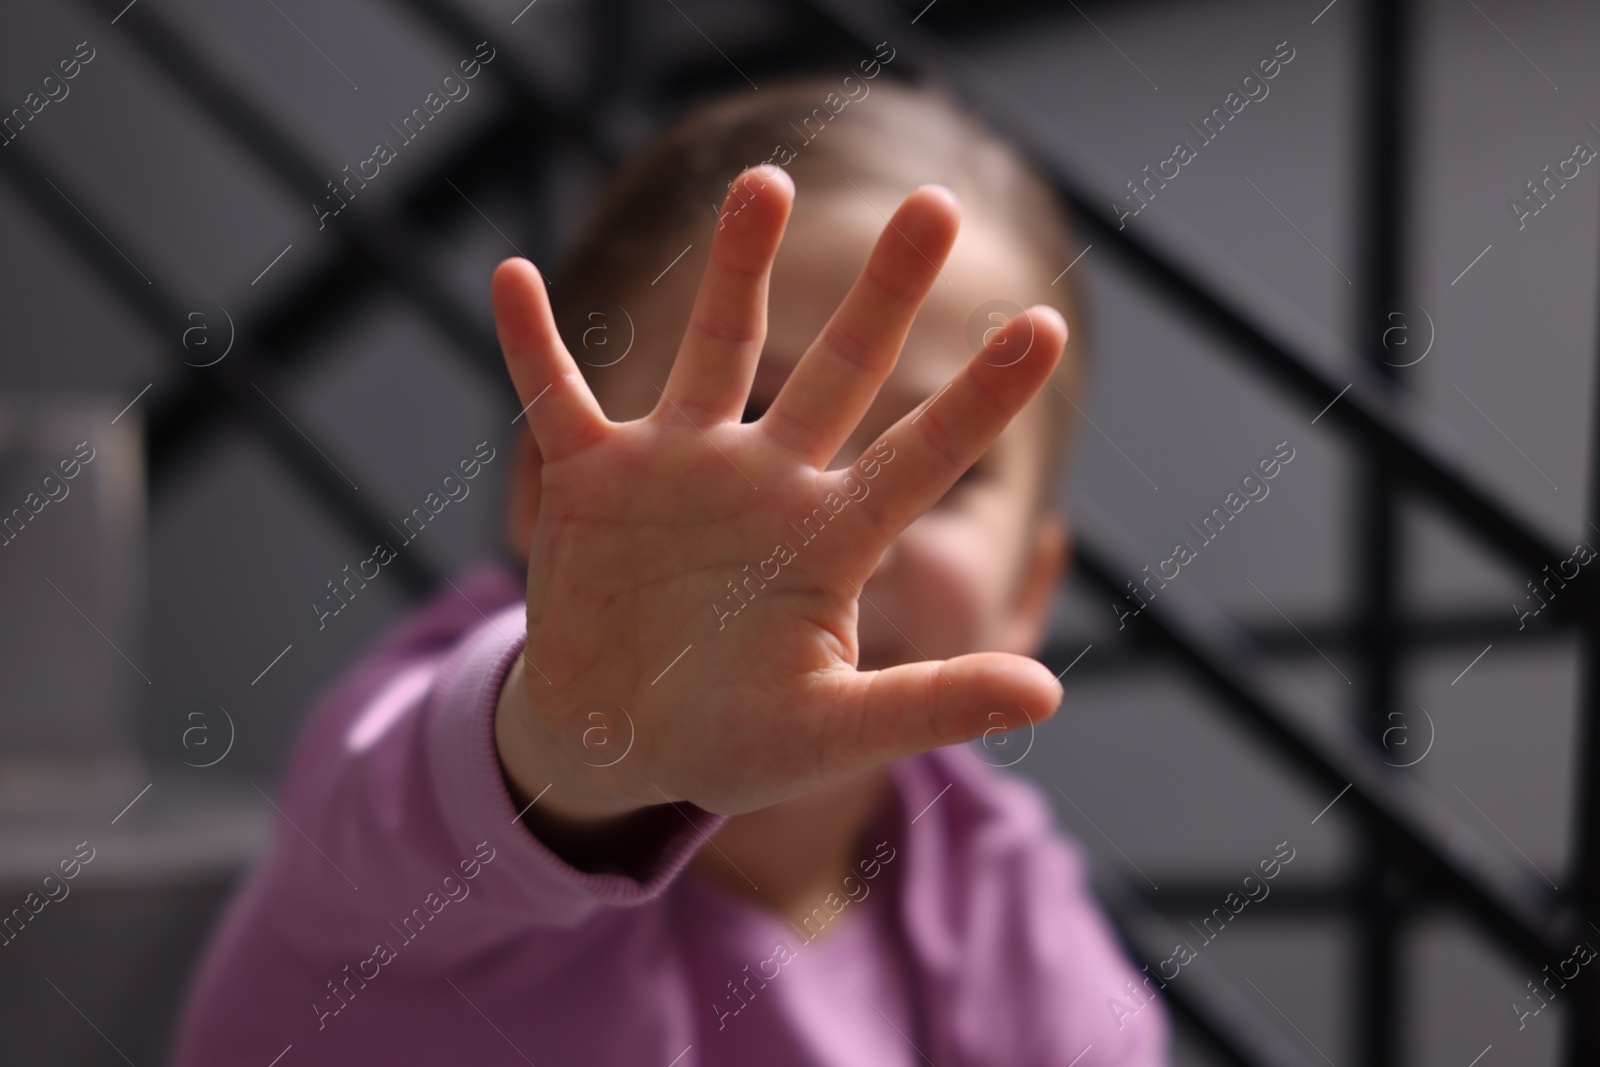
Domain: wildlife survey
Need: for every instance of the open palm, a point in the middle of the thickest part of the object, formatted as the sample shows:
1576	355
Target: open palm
678	598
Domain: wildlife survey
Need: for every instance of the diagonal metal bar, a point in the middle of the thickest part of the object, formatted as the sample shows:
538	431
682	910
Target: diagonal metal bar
465	30
1211	1004
1424	837
367	248
1364	413
228	382
386	248
320	297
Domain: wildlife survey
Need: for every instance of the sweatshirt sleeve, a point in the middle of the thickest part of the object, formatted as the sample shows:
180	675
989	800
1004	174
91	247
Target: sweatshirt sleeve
397	802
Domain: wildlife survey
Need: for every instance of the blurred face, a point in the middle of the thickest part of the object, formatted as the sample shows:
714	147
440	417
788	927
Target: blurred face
976	571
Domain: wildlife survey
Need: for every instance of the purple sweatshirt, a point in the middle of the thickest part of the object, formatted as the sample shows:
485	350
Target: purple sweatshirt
404	915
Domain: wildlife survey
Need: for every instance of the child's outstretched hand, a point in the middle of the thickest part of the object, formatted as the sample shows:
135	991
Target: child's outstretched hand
641	526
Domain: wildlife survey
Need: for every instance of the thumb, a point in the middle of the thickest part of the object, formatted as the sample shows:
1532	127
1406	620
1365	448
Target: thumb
895	712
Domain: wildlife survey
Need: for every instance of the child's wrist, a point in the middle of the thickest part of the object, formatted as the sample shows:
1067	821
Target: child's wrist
540	771
569	807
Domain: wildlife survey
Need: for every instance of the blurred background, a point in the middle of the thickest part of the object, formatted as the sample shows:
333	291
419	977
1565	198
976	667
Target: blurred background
1375	667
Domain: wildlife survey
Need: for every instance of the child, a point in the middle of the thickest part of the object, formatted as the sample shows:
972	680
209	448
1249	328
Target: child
694	792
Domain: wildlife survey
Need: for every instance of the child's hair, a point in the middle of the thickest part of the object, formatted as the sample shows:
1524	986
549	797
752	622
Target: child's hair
830	134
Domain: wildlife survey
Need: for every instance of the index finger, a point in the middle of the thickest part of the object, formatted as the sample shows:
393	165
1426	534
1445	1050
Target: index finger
561	411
